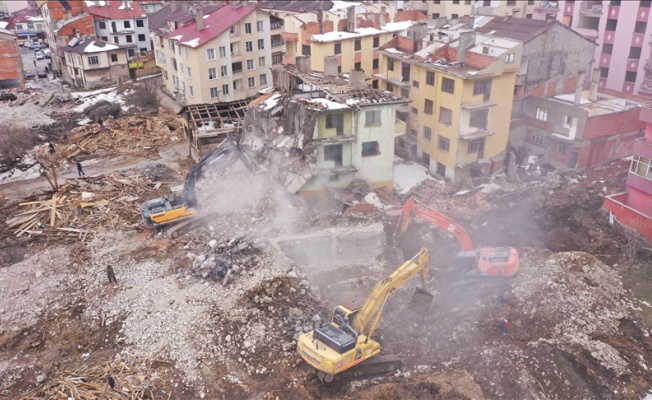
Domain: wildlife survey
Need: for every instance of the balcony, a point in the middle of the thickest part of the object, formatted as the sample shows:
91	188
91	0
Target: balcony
591	34
548	7
400	127
290	37
591	10
641	147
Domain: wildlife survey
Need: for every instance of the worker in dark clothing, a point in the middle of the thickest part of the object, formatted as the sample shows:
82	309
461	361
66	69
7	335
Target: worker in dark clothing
500	301
503	325
51	148
35	63
111	274
99	121
65	136
79	169
110	381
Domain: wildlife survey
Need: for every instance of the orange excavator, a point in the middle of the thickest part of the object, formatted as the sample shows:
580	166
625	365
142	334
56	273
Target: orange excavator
487	266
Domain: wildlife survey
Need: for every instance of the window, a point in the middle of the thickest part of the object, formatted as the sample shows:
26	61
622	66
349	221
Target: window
236	67
542	114
93	60
428	106
427	133
370	149
390	64
235	49
604	72
225	89
630	76
101	24
607	48
611	24
247	28
250	65
116	40
435	15
140	23
528	16
479	118
561	148
212	73
263	79
187	52
189	72
640	27
337	48
129	39
251	82
104	38
376	41
357	45
445	116
237	85
415	84
114	27
430	78
249	47
127	24
224	70
475	146
260	25
537	139
443	143
568	121
509	58
261	44
233	31
455	16
191	91
210	54
213	92
413	133
482	87
222	51
174	80
645	3
425	159
414	110
448	85
357	65
114	58
261	61
333	153
372	117
634	53
277	57
374	64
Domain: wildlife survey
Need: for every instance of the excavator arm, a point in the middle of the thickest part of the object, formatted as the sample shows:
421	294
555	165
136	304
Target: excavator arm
367	318
414	208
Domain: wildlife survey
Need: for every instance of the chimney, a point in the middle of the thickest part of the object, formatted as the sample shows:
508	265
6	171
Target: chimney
126	5
303	64
330	66
467	40
199	17
595	79
320	20
357	78
350	19
578	88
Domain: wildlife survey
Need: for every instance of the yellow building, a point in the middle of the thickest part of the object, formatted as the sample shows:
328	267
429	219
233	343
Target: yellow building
461	91
352	50
93	63
220	57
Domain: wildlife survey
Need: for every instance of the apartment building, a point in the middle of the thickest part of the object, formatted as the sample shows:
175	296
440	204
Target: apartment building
622	30
353	49
28	26
11	63
93	63
453	9
57	14
223	56
633	208
323	131
461	87
123	23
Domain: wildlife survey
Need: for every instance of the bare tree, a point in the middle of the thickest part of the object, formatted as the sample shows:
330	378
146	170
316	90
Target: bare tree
14	142
145	94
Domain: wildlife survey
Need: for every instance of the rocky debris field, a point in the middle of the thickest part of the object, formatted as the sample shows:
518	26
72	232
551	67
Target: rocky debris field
216	313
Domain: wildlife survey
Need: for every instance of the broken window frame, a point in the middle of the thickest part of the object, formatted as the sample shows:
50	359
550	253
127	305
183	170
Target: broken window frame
334	153
370	149
482	87
475	146
479	118
335	121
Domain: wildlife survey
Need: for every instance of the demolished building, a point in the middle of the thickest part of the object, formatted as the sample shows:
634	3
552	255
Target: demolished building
322	133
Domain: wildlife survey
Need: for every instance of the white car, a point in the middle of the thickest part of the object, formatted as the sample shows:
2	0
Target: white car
39	55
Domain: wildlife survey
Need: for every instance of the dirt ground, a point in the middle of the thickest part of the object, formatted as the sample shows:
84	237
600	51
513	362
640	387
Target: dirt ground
216	313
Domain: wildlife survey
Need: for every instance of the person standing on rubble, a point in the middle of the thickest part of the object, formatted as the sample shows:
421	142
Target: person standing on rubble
111	274
503	325
79	169
51	148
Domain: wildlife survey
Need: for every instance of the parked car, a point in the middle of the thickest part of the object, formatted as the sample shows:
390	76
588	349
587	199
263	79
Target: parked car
21	43
39	55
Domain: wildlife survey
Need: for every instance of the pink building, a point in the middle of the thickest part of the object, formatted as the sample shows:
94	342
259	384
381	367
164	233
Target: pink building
633	208
622	30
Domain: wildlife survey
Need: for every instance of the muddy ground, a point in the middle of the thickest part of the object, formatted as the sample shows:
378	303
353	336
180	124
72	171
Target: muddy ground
186	329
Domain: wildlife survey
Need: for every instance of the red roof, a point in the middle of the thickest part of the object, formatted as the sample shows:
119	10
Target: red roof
27	17
215	24
117	10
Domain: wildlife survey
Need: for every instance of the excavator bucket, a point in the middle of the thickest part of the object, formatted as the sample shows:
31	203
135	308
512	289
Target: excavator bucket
420	302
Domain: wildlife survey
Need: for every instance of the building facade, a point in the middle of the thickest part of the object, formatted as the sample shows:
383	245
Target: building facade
11	62
633	208
453	9
29	27
123	23
93	63
461	91
57	14
223	57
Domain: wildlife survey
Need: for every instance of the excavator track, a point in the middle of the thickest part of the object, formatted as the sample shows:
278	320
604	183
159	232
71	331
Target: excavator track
479	286
377	365
184	227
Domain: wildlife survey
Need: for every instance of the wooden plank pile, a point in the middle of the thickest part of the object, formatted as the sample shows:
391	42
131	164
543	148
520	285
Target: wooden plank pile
81	207
91	383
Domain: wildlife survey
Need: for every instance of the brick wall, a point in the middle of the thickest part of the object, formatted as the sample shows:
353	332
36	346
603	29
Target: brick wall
84	26
410	15
613	124
10	62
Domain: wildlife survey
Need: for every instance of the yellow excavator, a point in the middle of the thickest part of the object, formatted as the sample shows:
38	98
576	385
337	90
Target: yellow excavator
346	341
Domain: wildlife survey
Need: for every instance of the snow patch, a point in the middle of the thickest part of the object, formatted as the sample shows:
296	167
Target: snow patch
407	176
372	198
19	175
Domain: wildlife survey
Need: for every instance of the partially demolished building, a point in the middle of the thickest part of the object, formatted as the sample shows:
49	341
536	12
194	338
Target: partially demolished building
322	133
